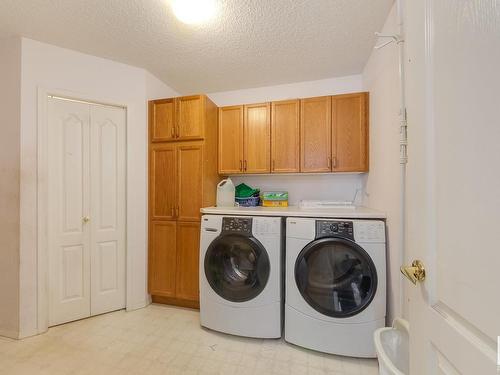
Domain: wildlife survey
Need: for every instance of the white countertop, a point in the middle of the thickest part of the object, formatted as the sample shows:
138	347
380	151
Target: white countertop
359	212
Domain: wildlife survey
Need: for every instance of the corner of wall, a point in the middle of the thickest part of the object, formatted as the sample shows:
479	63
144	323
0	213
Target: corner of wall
156	88
381	184
10	110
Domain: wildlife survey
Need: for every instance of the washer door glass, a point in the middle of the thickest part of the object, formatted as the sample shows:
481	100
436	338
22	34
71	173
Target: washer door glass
336	277
237	267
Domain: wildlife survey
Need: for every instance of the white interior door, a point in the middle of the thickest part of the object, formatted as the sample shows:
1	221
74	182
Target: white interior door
86	209
453	49
107	218
68	205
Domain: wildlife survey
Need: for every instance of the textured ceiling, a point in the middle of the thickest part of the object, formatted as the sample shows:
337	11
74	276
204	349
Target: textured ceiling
250	43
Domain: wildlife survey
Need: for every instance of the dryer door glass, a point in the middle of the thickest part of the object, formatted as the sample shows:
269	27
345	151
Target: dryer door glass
237	267
336	277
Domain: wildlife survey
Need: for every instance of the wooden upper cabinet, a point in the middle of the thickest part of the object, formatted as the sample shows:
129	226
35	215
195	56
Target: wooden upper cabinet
162	120
230	140
315	134
163	195
162	258
312	135
285	136
350	133
189	177
189	117
256	138
187	279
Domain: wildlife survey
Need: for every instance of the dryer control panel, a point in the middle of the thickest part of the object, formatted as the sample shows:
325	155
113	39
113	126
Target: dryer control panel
240	225
334	228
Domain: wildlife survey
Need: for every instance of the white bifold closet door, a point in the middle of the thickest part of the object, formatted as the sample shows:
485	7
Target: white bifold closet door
86	209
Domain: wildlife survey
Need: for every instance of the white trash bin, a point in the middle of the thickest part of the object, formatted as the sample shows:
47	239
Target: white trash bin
392	346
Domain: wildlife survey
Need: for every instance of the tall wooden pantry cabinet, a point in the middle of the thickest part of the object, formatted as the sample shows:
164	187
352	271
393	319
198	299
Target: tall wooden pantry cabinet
182	179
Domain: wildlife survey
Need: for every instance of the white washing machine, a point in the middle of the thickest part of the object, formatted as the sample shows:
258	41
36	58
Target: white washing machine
335	284
241	275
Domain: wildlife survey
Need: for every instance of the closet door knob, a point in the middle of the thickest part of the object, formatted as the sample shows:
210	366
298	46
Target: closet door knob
85	219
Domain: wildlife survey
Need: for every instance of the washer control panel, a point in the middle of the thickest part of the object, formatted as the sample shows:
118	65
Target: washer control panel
241	225
370	231
334	228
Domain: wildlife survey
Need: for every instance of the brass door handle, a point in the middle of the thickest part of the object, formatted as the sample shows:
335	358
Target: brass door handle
415	273
245	165
85	219
241	166
172	132
177	211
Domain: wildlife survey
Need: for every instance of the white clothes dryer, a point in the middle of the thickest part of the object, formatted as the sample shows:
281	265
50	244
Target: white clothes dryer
335	284
241	275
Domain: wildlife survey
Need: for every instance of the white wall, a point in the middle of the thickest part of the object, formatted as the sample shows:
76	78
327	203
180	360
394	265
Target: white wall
321	186
325	187
84	76
156	89
380	78
331	86
10	101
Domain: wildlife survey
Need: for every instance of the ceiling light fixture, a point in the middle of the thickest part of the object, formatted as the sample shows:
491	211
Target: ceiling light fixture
194	11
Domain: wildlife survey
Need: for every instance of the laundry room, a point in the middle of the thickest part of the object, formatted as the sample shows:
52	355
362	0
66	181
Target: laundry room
216	187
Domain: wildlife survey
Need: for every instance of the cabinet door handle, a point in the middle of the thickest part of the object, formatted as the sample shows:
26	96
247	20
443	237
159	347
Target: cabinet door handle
272	165
172	212
177	211
177	132
329	162
334	162
241	166
172	132
245	165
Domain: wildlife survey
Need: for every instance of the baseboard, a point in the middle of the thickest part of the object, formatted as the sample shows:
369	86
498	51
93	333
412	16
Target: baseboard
176	302
9	334
137	305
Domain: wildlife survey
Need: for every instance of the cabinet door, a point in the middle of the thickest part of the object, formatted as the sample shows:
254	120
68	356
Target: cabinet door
188	254
285	136
315	134
257	138
189	117
350	132
190	188
231	140
162	120
162	182
162	258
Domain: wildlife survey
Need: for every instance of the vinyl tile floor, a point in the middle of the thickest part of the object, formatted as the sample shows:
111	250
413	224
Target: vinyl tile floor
162	340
